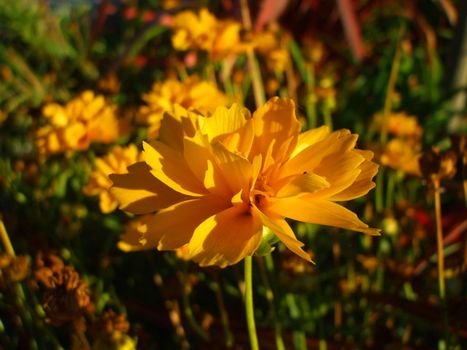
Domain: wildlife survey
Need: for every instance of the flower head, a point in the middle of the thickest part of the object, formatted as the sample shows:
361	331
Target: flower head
217	182
99	183
191	93
205	32
85	119
402	154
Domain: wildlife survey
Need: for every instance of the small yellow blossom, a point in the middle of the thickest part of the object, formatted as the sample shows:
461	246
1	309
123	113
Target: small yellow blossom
202	96
117	162
402	154
401	124
213	185
203	31
85	119
273	48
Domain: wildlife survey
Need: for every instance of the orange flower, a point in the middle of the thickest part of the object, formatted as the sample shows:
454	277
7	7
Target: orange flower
191	93
219	182
401	154
204	32
85	119
99	183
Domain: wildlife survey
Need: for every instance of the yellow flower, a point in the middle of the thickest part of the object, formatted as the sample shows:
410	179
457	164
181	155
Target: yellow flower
219	38
216	184
202	96
99	183
73	127
274	50
402	154
401	124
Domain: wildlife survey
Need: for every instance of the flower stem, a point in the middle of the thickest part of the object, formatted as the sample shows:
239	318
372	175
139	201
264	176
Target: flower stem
269	264
390	88
258	87
6	240
250	312
229	339
439	239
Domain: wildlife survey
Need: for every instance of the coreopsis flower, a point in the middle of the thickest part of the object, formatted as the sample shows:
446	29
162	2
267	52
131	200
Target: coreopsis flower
215	184
193	93
402	154
99	183
203	31
273	47
401	124
85	119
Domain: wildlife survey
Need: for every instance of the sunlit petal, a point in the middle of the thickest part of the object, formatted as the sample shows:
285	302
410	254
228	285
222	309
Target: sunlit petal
226	237
139	192
171	168
319	212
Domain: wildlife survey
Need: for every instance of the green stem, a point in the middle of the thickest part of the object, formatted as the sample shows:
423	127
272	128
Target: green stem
390	92
391	185
298	334
249	308
229	340
6	240
379	203
272	303
188	310
439	239
310	104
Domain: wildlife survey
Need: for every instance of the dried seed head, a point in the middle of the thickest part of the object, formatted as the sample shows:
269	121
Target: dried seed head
66	296
435	164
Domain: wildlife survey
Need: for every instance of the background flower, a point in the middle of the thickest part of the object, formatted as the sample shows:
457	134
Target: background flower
116	161
85	119
194	93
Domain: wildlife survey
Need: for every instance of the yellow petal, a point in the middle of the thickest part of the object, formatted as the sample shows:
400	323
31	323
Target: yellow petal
225	121
340	171
171	168
139	192
173	227
226	237
237	170
171	132
202	162
319	212
310	137
304	183
276	120
362	184
306	161
283	231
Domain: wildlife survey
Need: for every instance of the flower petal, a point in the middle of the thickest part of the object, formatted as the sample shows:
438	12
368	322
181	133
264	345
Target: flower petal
335	144
139	192
363	183
237	170
226	237
310	137
199	156
173	227
319	212
304	183
340	170
282	230
171	168
276	120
